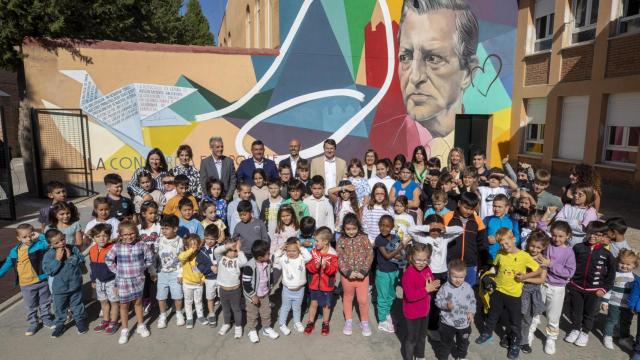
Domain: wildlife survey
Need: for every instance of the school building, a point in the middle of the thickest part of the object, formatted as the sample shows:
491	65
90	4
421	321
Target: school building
576	94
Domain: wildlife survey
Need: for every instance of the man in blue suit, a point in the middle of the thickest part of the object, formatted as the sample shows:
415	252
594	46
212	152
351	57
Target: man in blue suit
256	161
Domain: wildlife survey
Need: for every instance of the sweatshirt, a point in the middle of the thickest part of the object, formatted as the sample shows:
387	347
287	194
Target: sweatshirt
229	268
416	299
354	254
249	233
233	218
438	262
578	218
279	238
464	302
294	274
563	265
168	251
190	273
269	213
619	293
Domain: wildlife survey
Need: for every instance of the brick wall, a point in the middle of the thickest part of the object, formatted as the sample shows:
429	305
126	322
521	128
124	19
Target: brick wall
577	63
537	69
9	85
623	58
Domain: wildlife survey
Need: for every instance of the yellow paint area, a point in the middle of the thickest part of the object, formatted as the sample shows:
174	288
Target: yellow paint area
166	138
499	134
395	8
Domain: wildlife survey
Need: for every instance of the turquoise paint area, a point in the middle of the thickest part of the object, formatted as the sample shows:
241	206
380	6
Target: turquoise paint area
483	97
338	20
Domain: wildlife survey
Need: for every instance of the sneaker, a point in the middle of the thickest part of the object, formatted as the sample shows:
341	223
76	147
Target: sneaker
550	347
268	331
179	318
608	342
237	332
48	323
162	321
202	320
526	348
31	329
531	337
504	342
299	327
366	329
285	330
325	329
224	329
386	326
309	328
57	332
190	323
483	338
211	319
124	336
513	352
348	327
142	330
572	337
112	328
82	327
102	326
253	336
583	339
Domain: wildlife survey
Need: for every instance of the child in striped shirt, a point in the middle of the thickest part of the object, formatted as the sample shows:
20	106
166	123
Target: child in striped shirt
614	302
371	214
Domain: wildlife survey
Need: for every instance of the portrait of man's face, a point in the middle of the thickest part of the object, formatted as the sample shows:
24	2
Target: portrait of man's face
431	78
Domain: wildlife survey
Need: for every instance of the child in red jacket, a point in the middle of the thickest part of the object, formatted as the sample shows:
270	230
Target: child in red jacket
323	267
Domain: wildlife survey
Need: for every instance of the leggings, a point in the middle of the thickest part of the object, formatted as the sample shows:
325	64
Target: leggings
192	293
360	289
415	341
230	300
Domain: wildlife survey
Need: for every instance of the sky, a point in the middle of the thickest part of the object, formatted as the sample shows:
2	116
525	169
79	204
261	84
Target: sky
214	11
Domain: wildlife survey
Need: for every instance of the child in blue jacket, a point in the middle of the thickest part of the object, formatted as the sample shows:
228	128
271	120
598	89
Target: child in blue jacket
634	304
26	259
64	263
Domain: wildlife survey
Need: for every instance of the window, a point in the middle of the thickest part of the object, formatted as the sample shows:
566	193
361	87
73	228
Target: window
543	21
630	19
573	127
585	17
534	131
622	133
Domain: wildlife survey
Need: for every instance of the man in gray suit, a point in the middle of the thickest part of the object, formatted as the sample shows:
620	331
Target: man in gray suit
219	167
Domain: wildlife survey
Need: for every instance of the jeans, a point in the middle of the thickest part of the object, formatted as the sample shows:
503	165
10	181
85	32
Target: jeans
291	300
618	314
192	293
36	296
553	298
386	289
72	300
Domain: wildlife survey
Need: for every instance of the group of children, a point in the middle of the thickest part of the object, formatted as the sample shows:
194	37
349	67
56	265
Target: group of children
462	241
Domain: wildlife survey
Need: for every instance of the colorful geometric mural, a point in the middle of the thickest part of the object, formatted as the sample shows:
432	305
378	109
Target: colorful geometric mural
342	72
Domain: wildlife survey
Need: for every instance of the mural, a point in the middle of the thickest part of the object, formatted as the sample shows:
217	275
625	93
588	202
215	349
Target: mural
378	74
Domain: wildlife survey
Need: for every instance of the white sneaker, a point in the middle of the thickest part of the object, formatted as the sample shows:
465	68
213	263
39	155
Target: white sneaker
608	342
179	318
531	337
238	332
162	321
142	330
124	336
572	337
550	347
268	331
253	336
583	339
299	327
285	330
224	329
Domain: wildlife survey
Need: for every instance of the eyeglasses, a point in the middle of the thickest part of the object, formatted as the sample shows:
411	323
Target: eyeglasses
169	182
417	261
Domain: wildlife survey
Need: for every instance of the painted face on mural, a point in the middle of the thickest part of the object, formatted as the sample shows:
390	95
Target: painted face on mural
431	78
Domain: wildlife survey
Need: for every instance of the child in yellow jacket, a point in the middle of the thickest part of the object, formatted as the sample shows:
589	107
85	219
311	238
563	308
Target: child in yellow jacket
192	280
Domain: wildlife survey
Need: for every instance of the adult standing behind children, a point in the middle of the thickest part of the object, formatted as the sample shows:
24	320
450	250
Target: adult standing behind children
256	161
329	166
294	156
219	167
156	164
185	167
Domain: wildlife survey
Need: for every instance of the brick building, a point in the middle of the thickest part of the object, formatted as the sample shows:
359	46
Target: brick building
576	95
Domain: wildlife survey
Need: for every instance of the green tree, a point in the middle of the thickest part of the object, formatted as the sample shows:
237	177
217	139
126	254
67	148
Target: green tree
195	26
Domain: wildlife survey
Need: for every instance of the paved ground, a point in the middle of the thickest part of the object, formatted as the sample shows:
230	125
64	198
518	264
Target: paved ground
203	342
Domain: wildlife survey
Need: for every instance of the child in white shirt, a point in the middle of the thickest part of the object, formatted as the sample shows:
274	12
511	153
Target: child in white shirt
229	268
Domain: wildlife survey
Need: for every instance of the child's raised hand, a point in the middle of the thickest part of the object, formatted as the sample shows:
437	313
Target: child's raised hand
505	159
432	285
34	236
59	254
491	239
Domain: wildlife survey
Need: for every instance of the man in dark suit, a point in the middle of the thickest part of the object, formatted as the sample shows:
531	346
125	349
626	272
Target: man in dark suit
294	157
219	167
257	160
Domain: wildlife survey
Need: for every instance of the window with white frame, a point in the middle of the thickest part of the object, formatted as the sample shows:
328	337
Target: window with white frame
629	21
543	21
585	17
534	131
573	127
622	133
